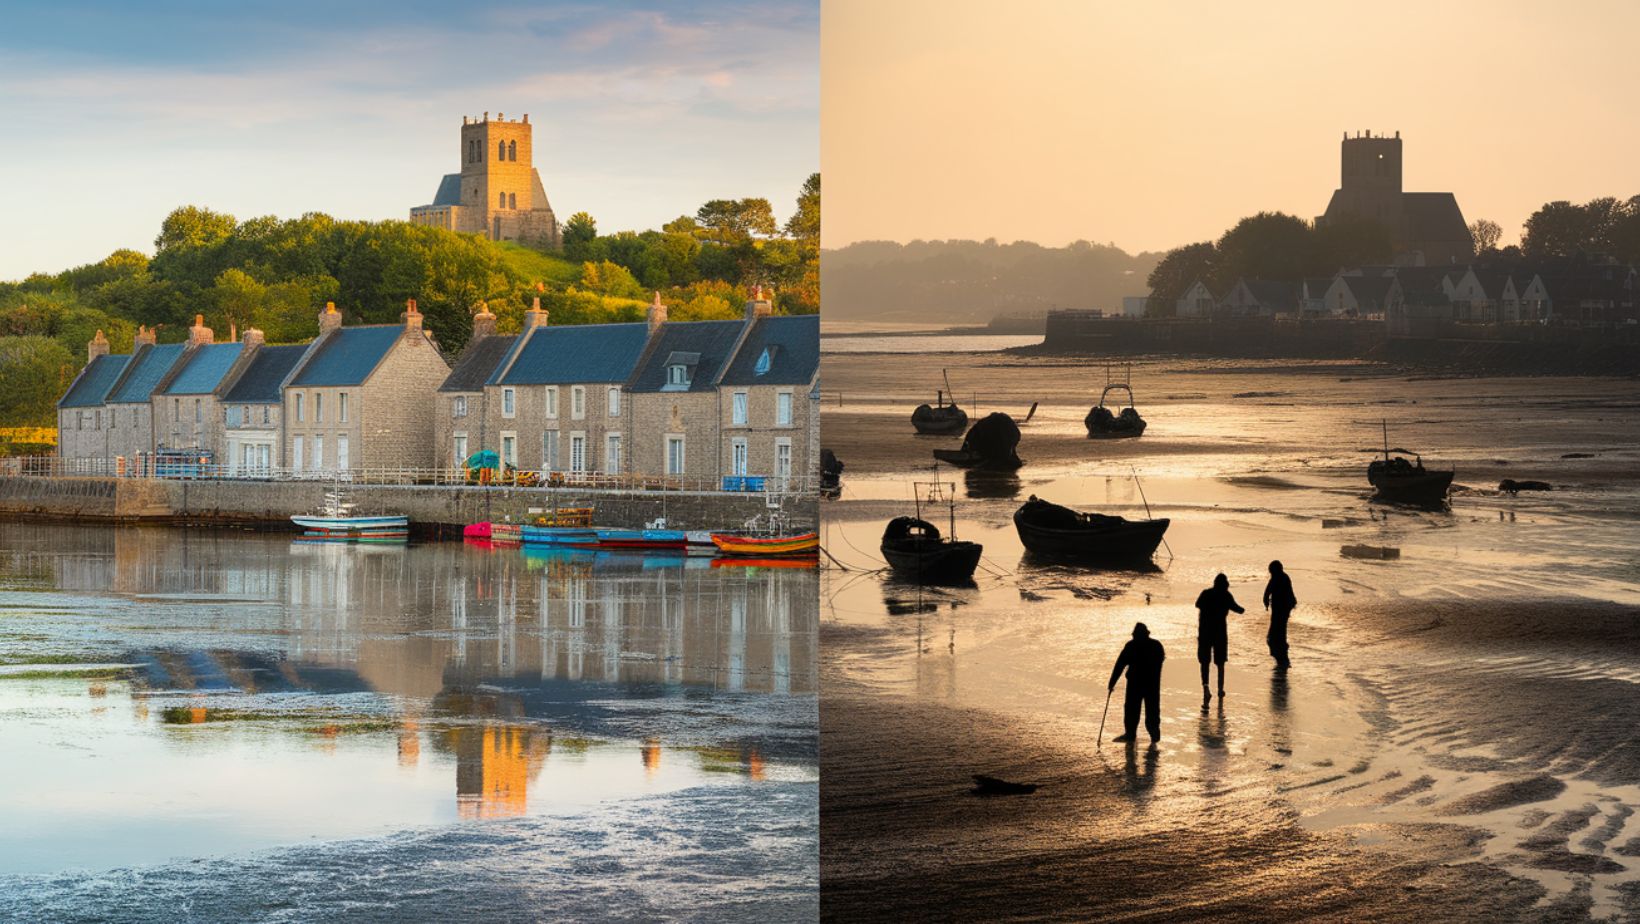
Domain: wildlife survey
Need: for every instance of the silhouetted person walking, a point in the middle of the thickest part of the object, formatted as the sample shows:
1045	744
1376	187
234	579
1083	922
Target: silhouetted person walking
1279	600
1142	659
1213	606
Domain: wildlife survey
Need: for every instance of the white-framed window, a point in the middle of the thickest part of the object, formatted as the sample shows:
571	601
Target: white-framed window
341	450
296	455
318	452
674	454
341	407
612	453
614	401
460	449
783	409
737	456
677	375
552	401
509	402
783	458
577	402
549	451
458	406
509	449
741	400
318	407
236	416
577	452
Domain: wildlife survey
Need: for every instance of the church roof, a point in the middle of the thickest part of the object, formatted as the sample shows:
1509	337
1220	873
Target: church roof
1434	217
449	190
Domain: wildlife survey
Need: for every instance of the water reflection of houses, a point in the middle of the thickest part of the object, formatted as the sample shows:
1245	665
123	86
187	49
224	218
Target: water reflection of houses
420	620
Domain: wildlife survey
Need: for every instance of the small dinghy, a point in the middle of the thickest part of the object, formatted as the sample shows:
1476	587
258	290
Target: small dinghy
940	418
991	786
1053	531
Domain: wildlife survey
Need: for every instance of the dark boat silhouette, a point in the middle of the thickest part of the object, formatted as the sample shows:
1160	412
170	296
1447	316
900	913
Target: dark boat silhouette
915	550
1400	480
990	444
1052	531
1103	424
940	418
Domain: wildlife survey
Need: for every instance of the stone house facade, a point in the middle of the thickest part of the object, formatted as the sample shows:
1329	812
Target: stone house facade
361	397
184	404
252	412
459	411
769	420
676	405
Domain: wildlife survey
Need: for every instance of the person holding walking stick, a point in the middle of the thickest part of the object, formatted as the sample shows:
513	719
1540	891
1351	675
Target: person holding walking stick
1142	658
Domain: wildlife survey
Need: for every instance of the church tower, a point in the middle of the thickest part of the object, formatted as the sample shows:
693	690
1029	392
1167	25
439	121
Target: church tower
498	192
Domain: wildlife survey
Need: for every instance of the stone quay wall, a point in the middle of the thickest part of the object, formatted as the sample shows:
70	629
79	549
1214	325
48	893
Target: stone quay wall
433	510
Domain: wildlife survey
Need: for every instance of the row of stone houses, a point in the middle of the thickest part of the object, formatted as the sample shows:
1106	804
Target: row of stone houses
1587	295
736	399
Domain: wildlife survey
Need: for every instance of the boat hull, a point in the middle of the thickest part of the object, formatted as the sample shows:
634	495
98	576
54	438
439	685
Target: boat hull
1424	489
350	523
933	561
1128	541
934	421
767	547
563	536
963	458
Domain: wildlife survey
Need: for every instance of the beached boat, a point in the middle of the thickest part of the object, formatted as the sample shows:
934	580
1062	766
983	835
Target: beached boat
940	418
915	550
1059	532
990	444
336	521
767	546
1400	480
1102	424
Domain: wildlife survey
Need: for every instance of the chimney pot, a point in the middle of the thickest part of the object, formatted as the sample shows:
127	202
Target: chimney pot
329	319
657	314
199	334
411	319
253	337
97	346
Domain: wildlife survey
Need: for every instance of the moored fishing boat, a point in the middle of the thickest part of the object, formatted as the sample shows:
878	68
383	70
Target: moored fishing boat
915	550
767	546
940	418
335	521
502	533
1400	480
1054	531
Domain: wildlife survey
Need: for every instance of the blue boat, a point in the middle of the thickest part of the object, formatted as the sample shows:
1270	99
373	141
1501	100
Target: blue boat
571	536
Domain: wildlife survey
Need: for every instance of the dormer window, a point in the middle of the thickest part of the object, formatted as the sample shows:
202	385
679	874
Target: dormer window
680	370
766	360
677	374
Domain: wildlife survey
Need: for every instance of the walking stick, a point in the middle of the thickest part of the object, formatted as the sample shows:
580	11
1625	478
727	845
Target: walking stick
1101	742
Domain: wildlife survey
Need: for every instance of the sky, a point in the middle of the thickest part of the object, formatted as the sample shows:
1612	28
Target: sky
1153	125
116	113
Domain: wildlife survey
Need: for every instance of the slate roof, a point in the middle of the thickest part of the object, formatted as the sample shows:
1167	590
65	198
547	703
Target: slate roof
1421	279
1317	286
796	356
93	383
203	369
713	340
449	190
1369	291
147	367
260	382
348	355
1273	293
477	363
578	353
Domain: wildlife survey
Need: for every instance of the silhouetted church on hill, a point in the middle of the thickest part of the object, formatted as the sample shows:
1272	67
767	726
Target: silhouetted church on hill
1427	228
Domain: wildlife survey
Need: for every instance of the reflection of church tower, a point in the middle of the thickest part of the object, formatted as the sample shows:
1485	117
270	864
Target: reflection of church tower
494	766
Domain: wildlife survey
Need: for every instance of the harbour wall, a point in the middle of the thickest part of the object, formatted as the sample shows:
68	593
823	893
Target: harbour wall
433	510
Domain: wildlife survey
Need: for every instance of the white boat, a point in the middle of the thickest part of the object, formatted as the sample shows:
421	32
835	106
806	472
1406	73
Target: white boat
335	521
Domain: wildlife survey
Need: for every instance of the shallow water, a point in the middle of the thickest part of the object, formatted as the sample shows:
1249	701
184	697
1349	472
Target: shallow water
1477	666
174	697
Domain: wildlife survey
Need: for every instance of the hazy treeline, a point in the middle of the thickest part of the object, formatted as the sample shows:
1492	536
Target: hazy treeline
276	274
973	281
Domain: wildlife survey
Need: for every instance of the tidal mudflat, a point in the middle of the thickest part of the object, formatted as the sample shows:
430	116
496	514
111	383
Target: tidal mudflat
1456	737
212	725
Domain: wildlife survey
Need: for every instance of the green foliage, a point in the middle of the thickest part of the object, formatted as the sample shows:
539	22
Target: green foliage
1176	272
1605	226
580	237
34	372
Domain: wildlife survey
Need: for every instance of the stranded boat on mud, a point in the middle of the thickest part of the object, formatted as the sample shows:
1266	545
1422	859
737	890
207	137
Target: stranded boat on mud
1059	532
1102	423
1402	481
915	550
940	419
991	444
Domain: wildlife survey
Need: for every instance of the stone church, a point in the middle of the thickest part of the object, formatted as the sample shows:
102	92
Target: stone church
498	192
1427	228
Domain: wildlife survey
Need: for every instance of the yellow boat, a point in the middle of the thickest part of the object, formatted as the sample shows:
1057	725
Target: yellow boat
767	546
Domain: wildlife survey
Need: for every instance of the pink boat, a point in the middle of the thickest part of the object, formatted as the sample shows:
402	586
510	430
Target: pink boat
495	532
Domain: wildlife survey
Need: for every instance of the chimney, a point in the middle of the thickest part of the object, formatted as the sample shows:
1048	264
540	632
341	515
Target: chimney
657	314
483	322
98	346
411	319
144	335
536	316
199	334
329	319
760	306
253	337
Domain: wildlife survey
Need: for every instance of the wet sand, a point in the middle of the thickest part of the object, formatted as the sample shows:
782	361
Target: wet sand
1456	737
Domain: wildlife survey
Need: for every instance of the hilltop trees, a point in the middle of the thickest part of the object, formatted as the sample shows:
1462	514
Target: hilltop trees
1606	226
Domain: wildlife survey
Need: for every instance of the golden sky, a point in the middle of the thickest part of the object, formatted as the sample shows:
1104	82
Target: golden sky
1152	125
